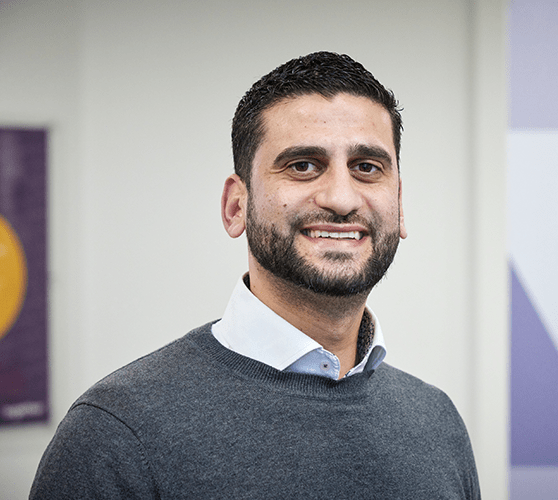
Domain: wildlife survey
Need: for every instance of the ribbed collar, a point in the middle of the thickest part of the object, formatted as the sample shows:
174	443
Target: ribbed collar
295	383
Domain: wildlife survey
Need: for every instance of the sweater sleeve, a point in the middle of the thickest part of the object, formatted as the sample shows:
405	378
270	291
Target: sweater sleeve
94	455
463	451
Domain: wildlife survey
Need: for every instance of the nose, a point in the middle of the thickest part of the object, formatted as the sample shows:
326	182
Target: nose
338	192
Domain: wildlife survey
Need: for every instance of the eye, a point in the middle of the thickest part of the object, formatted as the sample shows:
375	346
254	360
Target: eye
304	170
366	167
303	167
366	171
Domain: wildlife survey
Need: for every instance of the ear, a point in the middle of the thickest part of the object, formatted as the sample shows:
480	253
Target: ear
402	228
233	206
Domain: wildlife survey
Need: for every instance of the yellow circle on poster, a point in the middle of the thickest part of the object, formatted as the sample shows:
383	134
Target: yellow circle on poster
13	276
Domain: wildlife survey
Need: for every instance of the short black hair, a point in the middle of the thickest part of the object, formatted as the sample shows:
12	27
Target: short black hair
324	73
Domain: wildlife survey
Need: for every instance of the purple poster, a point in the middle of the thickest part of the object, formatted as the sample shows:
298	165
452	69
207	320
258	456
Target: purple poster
533	248
23	276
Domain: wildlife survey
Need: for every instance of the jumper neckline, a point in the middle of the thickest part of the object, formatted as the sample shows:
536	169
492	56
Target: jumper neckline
303	384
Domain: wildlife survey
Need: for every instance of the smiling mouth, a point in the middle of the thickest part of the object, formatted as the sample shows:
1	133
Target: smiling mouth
348	235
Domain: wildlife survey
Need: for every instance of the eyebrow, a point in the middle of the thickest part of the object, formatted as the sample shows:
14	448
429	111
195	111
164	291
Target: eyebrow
363	150
299	152
357	150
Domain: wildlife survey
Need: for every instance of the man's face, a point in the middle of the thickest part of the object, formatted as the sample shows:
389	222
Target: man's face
323	211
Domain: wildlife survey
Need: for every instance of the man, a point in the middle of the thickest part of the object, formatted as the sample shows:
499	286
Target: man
286	396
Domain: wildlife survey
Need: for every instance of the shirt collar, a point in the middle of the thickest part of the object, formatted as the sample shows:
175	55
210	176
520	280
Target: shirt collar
252	329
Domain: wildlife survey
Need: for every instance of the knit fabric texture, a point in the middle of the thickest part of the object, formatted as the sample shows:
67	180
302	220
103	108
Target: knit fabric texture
196	420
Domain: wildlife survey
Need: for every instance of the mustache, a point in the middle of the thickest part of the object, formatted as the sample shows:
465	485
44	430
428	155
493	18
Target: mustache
301	220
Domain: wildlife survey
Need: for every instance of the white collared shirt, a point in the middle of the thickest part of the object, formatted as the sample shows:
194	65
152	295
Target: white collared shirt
252	329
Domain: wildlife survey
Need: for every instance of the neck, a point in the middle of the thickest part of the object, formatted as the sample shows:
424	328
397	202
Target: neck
333	322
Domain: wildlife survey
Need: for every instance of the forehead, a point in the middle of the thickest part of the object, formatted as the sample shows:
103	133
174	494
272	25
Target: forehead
342	120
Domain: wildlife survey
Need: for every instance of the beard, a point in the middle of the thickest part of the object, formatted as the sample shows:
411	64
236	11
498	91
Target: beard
276	252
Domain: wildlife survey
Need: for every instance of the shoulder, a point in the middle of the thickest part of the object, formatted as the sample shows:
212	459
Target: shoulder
107	443
90	444
413	395
152	381
423	417
398	381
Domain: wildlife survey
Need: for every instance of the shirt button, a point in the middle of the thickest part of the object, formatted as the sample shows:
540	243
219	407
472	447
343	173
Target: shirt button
324	365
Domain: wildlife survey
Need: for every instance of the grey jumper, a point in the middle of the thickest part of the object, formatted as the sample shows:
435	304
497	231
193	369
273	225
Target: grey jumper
196	420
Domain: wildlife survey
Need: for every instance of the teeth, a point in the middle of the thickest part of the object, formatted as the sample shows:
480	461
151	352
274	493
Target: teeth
349	235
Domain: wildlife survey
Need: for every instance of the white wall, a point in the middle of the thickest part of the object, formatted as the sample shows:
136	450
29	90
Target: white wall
139	97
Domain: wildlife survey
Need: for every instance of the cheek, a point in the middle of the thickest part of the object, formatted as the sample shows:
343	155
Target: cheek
385	206
270	209
392	213
280	204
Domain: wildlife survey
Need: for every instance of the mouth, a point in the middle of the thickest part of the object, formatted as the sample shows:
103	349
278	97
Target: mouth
336	235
